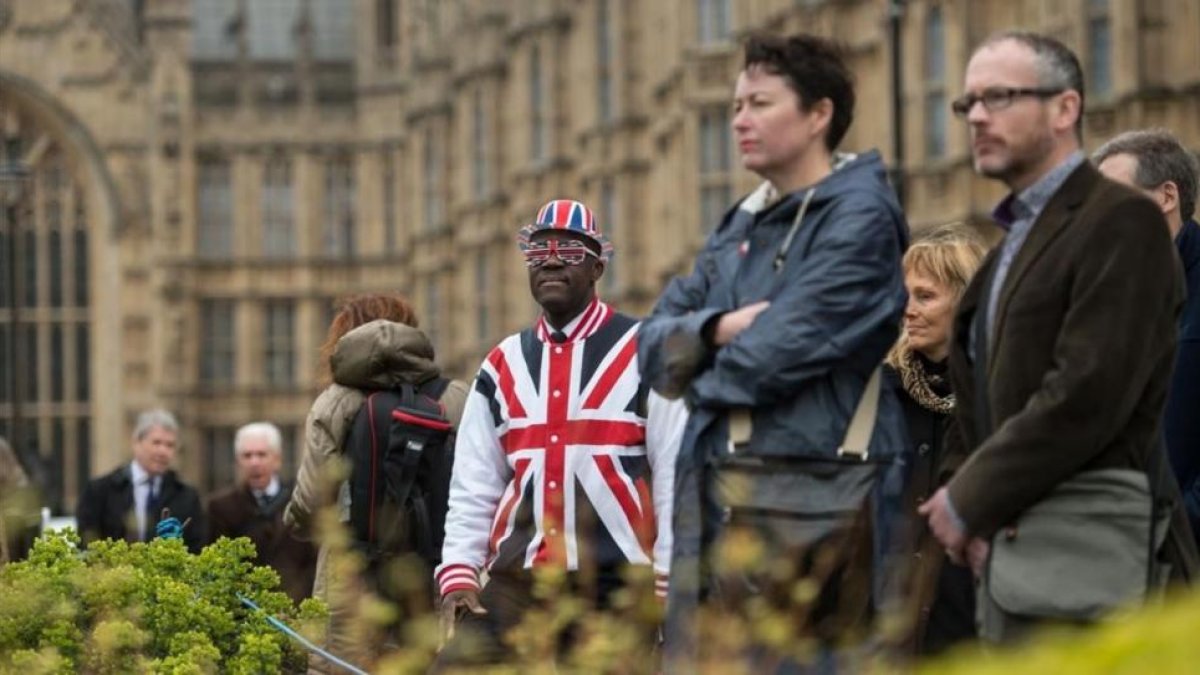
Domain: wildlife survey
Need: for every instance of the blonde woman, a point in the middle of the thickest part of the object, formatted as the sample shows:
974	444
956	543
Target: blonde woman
937	268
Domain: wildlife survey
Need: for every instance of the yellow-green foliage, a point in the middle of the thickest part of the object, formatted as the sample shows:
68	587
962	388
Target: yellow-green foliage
1157	640
131	608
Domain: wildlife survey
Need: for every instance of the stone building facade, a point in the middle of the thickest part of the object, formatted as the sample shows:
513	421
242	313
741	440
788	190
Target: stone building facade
205	177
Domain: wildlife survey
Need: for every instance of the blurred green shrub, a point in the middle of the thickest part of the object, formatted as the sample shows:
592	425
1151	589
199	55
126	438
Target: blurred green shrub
1158	639
153	607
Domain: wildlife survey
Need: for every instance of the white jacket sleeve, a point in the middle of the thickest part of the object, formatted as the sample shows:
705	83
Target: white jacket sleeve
477	481
665	420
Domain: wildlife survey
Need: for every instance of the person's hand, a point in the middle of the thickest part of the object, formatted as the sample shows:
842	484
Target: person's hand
732	323
977	555
454	603
942	524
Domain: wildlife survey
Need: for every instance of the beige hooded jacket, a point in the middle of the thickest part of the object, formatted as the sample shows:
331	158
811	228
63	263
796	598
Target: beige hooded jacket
374	356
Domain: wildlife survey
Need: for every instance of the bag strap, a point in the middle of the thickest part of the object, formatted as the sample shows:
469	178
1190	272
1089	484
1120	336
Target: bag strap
1152	468
410	460
1167	501
862	424
857	440
781	254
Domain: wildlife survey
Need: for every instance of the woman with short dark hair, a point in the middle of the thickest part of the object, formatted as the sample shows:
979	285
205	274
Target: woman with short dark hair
774	340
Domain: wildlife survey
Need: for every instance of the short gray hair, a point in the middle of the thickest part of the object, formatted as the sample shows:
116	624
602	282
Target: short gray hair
150	419
264	430
1057	66
1160	158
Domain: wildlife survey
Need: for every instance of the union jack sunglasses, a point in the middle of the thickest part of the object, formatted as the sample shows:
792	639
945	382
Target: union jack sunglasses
569	252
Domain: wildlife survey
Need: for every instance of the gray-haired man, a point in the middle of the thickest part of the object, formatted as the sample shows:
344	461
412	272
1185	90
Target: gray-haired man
254	508
128	502
1155	162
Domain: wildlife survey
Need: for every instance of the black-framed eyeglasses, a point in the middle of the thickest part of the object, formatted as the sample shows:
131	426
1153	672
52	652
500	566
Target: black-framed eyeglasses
999	98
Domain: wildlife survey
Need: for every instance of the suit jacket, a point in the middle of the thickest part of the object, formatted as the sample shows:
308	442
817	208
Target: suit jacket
105	510
1080	354
235	512
1181	423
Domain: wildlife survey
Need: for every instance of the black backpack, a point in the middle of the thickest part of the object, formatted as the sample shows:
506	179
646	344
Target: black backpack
400	475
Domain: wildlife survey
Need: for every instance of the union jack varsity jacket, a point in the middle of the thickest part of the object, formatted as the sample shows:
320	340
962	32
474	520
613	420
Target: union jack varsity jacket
562	455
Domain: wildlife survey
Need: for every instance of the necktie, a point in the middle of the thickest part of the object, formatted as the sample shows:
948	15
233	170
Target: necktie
264	500
151	508
558	337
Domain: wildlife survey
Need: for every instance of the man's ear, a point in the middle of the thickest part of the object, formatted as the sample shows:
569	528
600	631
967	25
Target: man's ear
1068	108
1167	196
598	267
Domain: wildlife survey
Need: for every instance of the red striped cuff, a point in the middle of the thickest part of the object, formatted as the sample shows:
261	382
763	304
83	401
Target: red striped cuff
660	585
457	577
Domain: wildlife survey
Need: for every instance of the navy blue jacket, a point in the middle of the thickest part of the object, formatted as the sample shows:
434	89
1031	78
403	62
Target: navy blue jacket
802	365
1181	422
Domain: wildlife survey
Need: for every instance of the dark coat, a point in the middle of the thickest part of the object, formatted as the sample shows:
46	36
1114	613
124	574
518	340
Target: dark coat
803	363
105	510
235	512
1080	355
940	595
1181	423
20	521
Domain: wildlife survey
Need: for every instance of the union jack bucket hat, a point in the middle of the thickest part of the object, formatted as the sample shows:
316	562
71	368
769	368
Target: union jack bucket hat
570	215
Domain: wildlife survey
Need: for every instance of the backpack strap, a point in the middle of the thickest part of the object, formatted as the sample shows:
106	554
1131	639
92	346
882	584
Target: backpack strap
410	460
435	389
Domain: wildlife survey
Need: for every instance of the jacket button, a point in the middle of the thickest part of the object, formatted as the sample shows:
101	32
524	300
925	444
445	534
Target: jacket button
923	449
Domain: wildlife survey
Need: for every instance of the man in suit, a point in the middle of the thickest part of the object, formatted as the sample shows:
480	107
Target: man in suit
1155	162
128	502
254	508
1064	341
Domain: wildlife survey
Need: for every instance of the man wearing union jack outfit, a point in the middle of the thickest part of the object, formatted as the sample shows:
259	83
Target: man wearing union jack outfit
565	459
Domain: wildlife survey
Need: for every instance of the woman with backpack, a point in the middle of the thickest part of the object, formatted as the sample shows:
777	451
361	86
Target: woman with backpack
373	345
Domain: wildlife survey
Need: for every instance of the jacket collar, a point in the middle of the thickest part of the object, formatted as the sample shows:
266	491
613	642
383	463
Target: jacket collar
1187	242
595	315
1058	214
1033	200
123	478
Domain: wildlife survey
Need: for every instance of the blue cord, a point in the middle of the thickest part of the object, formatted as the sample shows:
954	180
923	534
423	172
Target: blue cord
171	528
286	630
